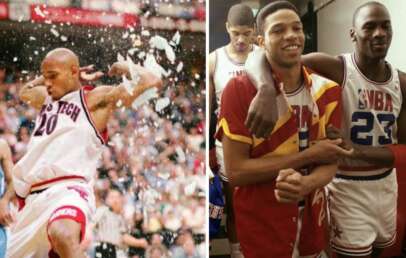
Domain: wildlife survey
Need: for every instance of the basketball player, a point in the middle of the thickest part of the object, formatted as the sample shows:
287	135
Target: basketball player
364	192
6	193
225	63
266	227
54	175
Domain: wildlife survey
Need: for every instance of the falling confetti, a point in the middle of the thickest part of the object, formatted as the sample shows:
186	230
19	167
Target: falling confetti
161	104
55	32
179	67
145	97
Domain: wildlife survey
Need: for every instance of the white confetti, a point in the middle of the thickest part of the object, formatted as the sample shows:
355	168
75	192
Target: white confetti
39	12
161	104
120	58
55	32
197	76
176	38
24	72
151	64
64	38
128	85
181	154
141	55
125	35
15	59
32	38
190	188
145	97
131	51
158	42
36	52
119	103
179	67
145	33
170	54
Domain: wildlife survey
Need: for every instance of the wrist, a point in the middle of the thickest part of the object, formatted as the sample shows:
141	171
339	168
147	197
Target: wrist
307	185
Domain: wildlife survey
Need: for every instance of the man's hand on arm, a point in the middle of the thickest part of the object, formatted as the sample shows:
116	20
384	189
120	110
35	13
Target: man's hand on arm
263	111
34	92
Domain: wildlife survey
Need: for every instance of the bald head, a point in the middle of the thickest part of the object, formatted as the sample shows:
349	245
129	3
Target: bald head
64	56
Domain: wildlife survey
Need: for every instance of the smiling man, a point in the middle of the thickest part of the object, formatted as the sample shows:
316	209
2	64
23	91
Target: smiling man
269	221
374	125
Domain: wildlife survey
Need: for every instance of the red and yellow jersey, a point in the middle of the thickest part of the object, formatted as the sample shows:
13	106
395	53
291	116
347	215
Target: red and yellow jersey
265	227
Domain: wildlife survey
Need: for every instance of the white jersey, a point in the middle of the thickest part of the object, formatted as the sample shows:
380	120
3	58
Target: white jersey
64	145
370	111
225	69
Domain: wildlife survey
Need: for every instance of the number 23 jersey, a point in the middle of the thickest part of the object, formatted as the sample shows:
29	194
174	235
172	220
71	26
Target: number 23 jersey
64	143
370	111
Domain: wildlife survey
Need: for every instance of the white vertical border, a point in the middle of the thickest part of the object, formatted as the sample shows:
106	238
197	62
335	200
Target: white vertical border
207	116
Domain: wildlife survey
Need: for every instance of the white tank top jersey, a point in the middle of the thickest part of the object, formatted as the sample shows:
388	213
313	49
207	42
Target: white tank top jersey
64	145
225	69
370	111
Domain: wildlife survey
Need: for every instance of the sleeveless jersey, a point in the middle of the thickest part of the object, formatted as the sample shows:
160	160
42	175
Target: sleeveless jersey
370	111
225	69
64	145
2	182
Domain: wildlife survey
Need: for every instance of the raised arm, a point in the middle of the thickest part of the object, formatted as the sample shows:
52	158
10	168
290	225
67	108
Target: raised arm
34	93
103	100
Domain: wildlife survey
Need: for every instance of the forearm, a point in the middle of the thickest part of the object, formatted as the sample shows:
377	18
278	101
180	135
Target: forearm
261	170
320	176
258	69
10	193
381	156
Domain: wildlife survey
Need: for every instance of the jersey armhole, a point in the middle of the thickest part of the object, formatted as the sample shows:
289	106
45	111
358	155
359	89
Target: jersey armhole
344	70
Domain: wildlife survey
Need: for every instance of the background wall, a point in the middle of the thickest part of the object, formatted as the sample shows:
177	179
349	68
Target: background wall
334	23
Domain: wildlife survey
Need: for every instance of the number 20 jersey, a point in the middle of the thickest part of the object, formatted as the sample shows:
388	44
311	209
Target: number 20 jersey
370	111
64	144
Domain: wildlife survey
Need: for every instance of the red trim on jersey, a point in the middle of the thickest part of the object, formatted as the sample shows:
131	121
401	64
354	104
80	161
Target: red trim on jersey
103	136
76	215
56	179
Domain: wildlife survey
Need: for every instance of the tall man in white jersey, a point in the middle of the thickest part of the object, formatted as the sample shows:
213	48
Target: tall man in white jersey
364	192
225	63
54	175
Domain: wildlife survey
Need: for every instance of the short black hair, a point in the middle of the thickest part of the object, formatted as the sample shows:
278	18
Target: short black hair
240	15
359	8
270	9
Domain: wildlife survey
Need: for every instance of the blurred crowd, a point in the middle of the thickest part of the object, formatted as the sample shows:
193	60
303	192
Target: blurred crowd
154	162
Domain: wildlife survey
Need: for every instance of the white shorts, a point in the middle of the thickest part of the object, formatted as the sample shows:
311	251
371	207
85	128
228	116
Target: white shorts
220	161
65	200
363	214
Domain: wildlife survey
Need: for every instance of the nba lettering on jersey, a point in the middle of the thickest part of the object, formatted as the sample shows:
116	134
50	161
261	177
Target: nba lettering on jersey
374	100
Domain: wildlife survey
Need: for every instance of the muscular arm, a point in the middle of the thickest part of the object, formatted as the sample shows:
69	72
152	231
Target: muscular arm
104	99
331	67
34	93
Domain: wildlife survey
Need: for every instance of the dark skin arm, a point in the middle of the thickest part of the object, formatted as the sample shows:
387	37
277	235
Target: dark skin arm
379	155
243	170
259	120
